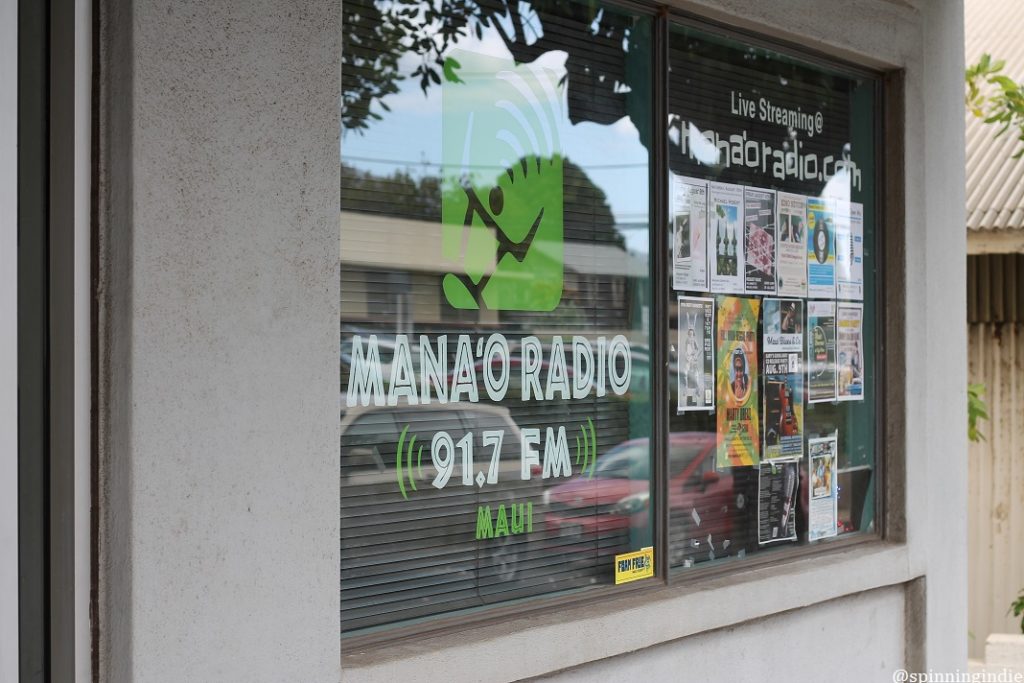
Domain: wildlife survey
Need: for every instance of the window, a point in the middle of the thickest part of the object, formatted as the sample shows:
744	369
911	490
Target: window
788	148
542	395
496	203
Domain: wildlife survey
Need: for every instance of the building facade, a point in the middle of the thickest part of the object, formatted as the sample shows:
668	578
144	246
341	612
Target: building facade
458	341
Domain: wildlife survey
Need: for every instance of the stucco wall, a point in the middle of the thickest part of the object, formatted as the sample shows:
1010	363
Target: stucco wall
867	645
219	536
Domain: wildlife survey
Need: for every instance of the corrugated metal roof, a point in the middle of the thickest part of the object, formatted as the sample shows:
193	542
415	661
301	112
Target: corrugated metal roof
995	181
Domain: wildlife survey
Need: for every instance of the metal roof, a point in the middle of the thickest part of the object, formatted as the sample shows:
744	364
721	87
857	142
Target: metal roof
995	181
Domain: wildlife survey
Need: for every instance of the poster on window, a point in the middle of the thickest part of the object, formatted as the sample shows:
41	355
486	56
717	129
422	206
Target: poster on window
777	485
850	253
695	381
791	266
821	248
689	234
823	488
725	238
821	351
783	372
759	240
850	351
737	373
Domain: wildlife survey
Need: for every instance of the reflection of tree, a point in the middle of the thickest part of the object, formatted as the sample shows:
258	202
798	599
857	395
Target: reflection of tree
587	214
399	194
371	47
586	210
608	61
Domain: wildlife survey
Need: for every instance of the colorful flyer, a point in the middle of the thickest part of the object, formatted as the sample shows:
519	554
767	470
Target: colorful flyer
738	435
821	351
783	372
821	249
777	486
696	354
850	253
725	238
823	488
791	268
850	351
689	234
759	240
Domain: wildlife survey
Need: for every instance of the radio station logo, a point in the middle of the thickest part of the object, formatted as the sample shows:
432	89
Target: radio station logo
502	201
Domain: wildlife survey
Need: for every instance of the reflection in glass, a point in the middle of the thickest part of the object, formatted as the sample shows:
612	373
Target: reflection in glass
494	181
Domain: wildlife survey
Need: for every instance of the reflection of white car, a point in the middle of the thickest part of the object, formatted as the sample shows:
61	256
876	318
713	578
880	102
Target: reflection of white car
370	436
406	545
386	348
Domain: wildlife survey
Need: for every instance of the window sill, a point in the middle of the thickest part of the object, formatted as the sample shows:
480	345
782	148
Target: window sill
543	643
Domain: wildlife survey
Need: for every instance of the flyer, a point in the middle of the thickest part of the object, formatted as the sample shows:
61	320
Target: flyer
850	253
689	234
737	403
791	267
777	486
783	378
850	351
823	489
696	354
759	240
725	238
821	248
821	351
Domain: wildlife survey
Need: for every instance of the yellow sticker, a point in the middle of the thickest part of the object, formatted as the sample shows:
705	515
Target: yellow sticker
635	565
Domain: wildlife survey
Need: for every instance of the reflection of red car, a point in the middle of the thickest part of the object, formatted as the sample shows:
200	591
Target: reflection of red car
610	512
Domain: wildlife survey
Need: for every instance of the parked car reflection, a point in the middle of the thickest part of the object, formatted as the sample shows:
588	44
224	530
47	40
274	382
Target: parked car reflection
610	513
407	545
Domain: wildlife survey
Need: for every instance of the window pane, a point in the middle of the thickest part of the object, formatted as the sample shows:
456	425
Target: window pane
772	165
495	303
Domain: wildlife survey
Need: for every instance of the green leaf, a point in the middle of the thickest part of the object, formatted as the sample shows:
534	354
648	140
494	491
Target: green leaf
450	65
1017	608
1005	82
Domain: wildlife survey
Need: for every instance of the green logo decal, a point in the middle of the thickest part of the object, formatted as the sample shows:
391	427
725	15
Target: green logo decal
501	206
588	451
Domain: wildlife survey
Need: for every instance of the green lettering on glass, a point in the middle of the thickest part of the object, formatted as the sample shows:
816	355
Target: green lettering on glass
501	523
483	523
518	519
517	524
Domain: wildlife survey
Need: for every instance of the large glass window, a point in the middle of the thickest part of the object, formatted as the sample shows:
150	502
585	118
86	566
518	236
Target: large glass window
502	165
772	228
495	212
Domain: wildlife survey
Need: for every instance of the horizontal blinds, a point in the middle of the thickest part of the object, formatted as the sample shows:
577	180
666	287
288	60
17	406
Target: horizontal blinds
410	550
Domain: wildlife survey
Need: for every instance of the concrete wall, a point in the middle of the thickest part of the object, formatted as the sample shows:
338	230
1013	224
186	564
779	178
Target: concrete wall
219	333
220	293
867	647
